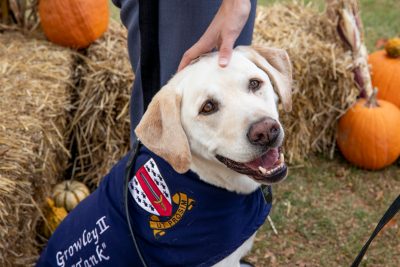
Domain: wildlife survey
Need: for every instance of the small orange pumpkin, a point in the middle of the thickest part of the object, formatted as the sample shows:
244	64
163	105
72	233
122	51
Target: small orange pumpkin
369	133
73	23
386	72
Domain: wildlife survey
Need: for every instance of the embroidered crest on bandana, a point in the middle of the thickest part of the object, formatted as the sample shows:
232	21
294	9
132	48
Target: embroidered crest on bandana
150	191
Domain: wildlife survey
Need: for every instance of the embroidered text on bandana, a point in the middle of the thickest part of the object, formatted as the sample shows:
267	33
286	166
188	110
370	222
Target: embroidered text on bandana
178	220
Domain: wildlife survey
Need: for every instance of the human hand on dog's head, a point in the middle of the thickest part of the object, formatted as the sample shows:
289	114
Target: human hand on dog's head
217	114
222	33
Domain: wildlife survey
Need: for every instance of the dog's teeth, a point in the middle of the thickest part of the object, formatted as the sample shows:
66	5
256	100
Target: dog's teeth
271	171
277	168
262	170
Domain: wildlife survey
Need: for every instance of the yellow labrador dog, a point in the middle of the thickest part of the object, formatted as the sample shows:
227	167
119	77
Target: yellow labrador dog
210	138
223	123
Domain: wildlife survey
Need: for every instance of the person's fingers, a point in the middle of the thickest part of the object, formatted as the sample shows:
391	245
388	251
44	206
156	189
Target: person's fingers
194	52
225	51
185	60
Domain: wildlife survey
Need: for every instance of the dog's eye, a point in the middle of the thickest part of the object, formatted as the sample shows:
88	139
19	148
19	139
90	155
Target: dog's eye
254	84
209	107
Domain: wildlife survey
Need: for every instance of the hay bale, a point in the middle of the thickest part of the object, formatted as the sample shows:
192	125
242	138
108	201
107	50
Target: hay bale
100	126
323	82
35	97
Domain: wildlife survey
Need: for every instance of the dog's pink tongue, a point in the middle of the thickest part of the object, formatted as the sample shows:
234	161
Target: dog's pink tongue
267	161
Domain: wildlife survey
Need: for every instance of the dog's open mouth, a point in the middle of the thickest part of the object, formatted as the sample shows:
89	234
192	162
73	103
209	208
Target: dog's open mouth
269	168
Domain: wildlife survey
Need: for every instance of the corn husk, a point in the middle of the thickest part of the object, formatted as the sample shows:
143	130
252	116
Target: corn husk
346	14
21	14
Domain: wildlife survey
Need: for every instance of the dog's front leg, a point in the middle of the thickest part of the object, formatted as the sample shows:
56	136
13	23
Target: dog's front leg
233	260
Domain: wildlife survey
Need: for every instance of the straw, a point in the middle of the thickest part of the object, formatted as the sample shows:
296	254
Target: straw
35	78
100	128
322	71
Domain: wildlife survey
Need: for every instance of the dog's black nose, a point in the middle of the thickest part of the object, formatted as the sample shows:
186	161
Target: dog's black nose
264	132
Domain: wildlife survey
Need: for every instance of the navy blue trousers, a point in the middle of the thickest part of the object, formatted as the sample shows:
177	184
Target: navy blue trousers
165	33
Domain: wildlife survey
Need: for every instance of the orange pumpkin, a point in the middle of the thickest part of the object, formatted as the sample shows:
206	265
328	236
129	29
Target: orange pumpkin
386	73
74	23
369	133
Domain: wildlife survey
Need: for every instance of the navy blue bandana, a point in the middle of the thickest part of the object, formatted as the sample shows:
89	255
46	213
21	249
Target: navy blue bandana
178	220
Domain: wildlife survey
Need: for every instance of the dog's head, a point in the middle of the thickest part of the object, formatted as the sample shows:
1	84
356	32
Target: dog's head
227	116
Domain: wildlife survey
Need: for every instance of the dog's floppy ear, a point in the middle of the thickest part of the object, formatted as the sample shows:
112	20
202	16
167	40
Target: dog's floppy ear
161	131
276	63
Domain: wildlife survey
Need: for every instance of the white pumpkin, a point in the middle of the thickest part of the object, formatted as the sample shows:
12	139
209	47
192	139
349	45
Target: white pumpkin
68	194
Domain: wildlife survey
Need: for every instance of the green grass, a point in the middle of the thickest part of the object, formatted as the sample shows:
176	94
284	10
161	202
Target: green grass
381	19
114	11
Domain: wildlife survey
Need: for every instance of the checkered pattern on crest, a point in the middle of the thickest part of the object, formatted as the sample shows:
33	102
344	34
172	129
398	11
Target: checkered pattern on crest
138	193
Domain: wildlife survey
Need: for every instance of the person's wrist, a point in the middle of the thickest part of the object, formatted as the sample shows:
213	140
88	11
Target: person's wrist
236	10
242	5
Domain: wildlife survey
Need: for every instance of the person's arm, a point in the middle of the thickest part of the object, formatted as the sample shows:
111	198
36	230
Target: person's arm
222	32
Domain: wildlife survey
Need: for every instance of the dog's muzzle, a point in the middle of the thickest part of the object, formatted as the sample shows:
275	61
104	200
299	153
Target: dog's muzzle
269	168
